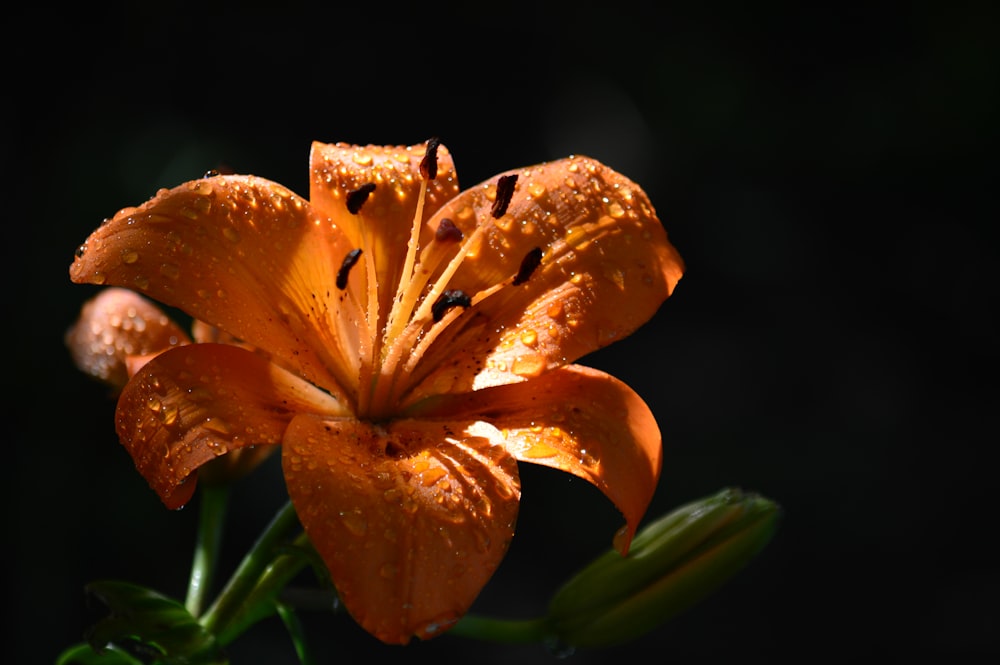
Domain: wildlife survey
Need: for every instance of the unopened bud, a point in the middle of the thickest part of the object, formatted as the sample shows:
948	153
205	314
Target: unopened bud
672	564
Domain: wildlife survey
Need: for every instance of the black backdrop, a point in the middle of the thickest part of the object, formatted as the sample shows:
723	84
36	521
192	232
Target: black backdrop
827	173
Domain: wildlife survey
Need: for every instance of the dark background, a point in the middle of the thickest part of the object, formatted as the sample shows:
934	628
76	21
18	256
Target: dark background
829	175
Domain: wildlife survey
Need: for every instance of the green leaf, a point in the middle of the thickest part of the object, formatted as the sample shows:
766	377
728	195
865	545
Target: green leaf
85	654
149	627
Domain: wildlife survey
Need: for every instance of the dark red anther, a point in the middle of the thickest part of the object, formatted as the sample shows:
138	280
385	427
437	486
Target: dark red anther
529	263
449	299
357	197
448	232
345	267
505	190
429	164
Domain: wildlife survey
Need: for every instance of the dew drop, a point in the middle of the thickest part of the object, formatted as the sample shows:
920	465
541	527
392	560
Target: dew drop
618	542
409	506
540	450
203	204
217	425
199	395
432	476
616	210
355	522
231	234
529	365
388	570
529	337
559	649
615	275
170	270
576	237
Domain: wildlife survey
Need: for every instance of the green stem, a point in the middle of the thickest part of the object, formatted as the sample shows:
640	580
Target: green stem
296	632
243	582
260	601
214	499
507	631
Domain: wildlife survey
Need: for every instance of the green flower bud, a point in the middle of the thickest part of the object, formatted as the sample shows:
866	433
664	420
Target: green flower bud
673	563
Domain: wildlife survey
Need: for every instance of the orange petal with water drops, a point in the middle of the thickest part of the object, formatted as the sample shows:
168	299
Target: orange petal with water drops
605	267
576	419
384	217
193	404
411	517
243	254
117	324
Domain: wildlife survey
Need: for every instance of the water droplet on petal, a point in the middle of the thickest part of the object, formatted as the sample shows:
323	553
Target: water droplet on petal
539	450
170	271
615	275
618	542
354	521
431	476
217	425
529	365
169	415
536	189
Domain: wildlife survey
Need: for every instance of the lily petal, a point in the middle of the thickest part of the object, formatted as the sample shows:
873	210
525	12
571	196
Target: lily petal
382	224
190	405
115	325
243	254
605	268
579	420
411	518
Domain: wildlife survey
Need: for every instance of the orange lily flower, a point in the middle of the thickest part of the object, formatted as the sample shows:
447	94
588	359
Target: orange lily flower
406	344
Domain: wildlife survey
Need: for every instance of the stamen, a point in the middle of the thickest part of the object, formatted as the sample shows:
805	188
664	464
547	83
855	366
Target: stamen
400	312
505	190
529	263
448	232
356	198
345	267
449	299
429	164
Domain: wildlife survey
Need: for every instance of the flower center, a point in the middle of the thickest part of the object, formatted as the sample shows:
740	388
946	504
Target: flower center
424	305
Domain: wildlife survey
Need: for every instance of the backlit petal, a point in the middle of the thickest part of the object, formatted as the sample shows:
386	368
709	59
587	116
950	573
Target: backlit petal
114	325
411	518
606	267
194	403
383	223
577	419
243	254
